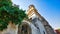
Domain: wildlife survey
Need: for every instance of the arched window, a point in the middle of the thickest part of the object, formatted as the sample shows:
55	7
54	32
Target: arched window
25	29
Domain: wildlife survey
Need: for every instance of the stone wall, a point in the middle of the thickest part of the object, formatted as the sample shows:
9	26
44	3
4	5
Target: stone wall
11	29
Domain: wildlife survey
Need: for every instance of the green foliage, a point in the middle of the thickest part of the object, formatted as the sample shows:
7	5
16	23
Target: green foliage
10	13
5	3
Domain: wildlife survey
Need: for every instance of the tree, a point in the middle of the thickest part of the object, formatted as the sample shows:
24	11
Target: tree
8	12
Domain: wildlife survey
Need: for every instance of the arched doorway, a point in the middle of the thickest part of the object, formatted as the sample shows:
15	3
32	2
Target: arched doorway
25	28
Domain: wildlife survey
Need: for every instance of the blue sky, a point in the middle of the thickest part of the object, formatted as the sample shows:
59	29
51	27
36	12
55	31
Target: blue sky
49	9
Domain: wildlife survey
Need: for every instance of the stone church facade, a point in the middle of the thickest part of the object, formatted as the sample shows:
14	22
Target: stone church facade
35	24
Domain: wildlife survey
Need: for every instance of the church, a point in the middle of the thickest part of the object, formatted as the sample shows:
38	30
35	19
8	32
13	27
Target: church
35	24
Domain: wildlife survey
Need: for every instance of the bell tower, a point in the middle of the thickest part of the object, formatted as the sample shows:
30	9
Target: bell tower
32	13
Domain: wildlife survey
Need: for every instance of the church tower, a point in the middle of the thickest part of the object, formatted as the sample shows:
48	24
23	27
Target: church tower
32	13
